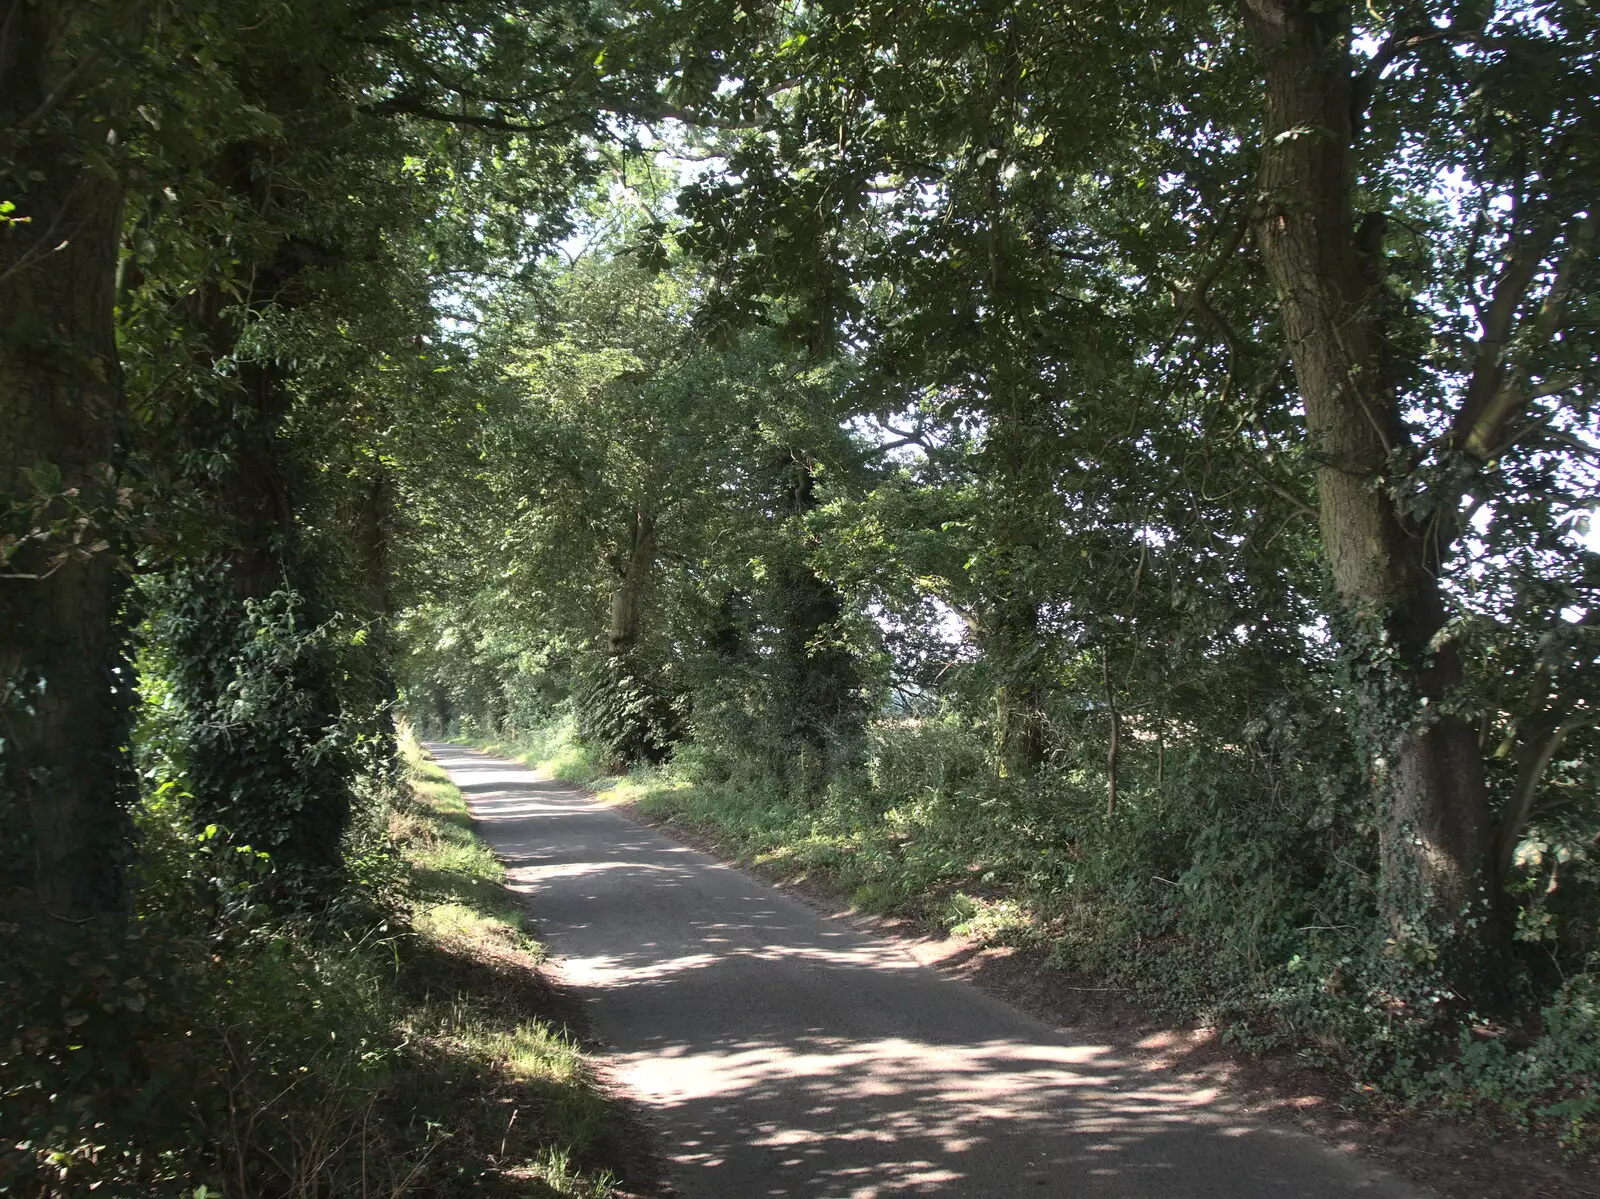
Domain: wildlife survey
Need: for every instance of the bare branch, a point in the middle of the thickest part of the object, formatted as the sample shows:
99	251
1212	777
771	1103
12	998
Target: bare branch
1299	505
1576	444
434	75
53	101
706	156
1202	305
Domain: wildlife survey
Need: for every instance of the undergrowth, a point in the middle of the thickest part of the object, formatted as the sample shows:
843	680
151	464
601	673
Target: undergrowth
1254	918
387	1044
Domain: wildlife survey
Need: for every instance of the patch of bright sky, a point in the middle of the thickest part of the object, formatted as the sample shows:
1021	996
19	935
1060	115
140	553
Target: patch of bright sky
684	163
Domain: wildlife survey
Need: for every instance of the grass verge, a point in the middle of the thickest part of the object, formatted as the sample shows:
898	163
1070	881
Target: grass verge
394	1039
488	1057
555	749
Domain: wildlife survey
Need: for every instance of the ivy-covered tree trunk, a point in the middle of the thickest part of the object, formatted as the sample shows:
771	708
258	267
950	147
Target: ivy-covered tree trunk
61	700
624	708
1327	275
817	681
1010	640
633	569
268	759
268	756
1009	628
253	670
374	536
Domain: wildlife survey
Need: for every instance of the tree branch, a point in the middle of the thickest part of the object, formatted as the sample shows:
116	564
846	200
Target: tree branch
1194	296
434	75
1365	85
877	451
1496	393
1556	386
688	116
1536	758
402	107
53	101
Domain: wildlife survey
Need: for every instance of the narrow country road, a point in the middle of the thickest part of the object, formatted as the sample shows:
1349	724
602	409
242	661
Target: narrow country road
785	1054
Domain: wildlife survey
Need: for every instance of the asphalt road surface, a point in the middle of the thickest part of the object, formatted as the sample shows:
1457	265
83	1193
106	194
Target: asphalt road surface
782	1053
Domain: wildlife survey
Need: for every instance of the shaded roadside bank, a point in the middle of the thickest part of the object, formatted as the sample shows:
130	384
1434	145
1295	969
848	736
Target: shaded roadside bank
397	1039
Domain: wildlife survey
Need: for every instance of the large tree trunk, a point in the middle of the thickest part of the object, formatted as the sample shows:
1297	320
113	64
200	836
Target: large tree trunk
633	578
1021	461
242	618
62	702
374	539
1427	766
1010	641
624	707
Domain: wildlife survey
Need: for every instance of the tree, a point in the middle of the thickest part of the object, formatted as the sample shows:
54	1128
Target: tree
1388	543
275	163
65	98
1402	172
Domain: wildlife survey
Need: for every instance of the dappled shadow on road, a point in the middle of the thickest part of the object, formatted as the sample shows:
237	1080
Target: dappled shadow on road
789	1055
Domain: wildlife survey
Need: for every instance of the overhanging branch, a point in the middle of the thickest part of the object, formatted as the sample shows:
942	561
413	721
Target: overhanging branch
426	112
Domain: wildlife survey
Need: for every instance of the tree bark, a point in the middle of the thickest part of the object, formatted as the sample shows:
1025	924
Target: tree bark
816	682
273	781
633	578
1010	622
374	540
1011	643
1114	741
1427	766
62	698
626	709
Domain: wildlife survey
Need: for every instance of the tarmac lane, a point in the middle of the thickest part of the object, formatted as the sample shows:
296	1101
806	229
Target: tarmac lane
782	1053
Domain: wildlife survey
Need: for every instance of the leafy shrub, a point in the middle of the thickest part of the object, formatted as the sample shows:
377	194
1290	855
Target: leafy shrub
217	1043
1551	1085
204	1044
626	713
254	723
